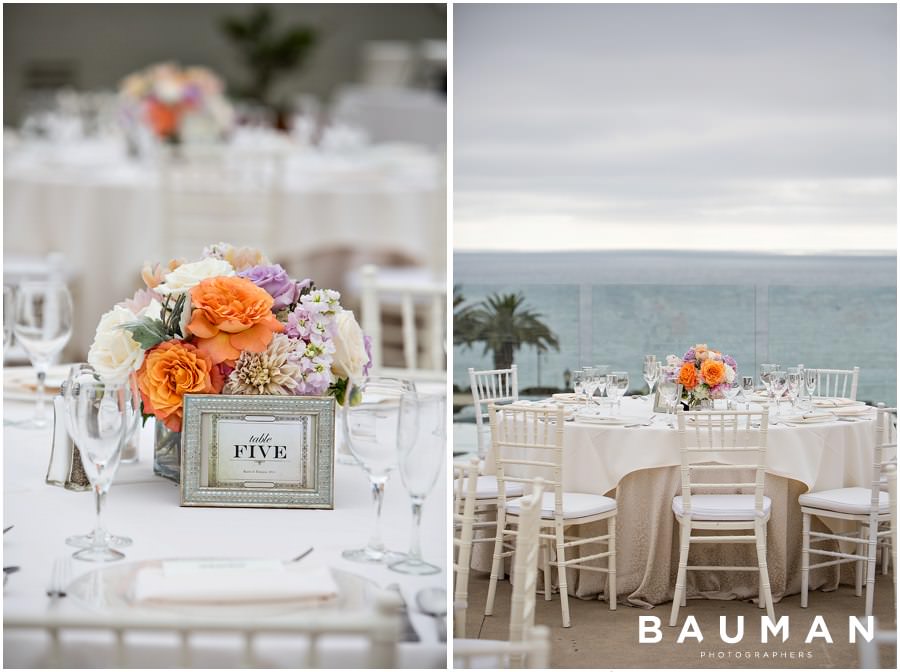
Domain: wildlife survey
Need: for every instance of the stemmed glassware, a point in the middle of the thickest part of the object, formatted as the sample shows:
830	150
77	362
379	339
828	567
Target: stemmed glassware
77	373
651	373
421	442
100	417
9	316
372	430
621	387
778	383
811	377
747	389
43	326
578	383
668	390
793	385
731	393
765	377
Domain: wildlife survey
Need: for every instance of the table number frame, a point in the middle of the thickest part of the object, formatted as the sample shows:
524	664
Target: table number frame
309	421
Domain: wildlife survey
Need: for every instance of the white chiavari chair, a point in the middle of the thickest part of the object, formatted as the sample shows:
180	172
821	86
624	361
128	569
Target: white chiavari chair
706	437
464	501
868	507
891	475
528	645
837	382
378	629
425	363
870	651
494	385
529	440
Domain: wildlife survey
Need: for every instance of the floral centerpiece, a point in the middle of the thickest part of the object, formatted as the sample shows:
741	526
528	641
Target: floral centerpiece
229	323
703	374
175	103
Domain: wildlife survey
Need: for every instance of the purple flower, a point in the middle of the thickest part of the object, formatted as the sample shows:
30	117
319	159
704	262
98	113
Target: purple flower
367	340
729	360
274	280
690	356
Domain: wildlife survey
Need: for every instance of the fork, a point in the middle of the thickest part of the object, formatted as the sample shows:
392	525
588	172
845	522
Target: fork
60	577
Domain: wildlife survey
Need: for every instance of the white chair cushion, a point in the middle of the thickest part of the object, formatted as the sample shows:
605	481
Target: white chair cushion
575	505
845	500
486	488
721	507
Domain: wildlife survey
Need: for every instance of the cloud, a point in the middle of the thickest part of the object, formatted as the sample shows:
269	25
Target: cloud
631	119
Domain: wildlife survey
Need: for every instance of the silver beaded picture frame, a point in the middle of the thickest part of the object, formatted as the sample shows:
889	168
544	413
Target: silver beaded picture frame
258	451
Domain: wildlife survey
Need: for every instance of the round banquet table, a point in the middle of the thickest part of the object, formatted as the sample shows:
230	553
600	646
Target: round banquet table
146	508
103	210
639	467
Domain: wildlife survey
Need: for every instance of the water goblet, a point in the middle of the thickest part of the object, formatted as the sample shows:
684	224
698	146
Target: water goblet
9	316
372	430
651	373
747	390
421	443
778	382
793	385
731	393
668	390
765	375
811	377
578	383
612	389
43	326
100	415
621	387
85	371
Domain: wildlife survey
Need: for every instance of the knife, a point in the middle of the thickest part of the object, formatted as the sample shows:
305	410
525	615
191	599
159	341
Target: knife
409	632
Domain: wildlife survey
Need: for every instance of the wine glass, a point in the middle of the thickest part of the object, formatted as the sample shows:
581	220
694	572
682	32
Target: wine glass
747	389
621	387
372	429
811	378
765	375
778	383
76	373
9	319
731	393
100	416
43	326
578	382
793	385
651	373
668	390
422	435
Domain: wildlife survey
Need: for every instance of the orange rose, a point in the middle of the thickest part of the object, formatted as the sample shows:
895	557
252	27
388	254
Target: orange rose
713	372
687	377
231	315
171	370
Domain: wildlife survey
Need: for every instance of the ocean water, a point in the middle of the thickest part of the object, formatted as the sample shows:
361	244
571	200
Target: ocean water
613	308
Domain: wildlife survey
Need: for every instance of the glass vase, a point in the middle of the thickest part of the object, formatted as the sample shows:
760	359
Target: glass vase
167	453
342	454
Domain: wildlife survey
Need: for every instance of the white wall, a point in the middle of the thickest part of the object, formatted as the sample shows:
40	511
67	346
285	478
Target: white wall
109	41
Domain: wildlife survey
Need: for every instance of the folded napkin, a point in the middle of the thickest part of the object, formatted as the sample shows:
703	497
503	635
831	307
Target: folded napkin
833	402
814	416
232	582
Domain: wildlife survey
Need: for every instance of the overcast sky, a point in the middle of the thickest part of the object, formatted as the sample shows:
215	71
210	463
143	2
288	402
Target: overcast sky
749	127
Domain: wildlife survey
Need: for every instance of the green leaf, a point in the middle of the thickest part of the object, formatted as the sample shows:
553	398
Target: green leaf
147	332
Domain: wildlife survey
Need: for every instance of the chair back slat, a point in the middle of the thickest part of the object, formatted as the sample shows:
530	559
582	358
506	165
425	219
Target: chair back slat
704	435
497	385
885	443
837	382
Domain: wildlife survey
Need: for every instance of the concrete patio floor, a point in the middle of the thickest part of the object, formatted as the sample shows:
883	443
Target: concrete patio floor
600	638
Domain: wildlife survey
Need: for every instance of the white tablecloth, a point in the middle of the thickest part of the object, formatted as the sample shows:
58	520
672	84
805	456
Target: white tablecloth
106	213
146	508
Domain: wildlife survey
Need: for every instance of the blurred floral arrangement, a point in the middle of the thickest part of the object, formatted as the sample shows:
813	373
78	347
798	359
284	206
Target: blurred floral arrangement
703	374
230	323
177	103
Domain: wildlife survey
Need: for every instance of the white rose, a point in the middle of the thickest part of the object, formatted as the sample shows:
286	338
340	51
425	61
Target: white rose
190	275
672	360
349	347
729	374
114	354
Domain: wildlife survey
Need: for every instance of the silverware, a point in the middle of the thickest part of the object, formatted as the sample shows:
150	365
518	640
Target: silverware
433	602
303	555
60	577
7	529
409	632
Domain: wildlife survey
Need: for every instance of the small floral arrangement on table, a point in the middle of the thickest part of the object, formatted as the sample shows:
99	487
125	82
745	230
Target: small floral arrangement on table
230	323
174	101
703	374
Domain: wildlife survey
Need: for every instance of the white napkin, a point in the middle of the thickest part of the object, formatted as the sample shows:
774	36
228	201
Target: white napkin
232	582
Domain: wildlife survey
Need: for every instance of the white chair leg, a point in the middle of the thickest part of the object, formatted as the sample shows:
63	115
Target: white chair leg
495	565
761	603
680	581
860	565
548	579
804	566
885	557
765	590
611	575
870	573
561	569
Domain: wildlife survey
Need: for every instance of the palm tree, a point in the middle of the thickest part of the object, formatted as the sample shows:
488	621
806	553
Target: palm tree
463	328
504	325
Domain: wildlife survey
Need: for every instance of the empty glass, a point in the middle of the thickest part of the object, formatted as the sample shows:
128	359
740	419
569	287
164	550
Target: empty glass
86	371
765	372
621	387
731	393
651	373
100	416
372	430
778	383
43	326
578	382
811	377
793	385
668	390
747	389
421	442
